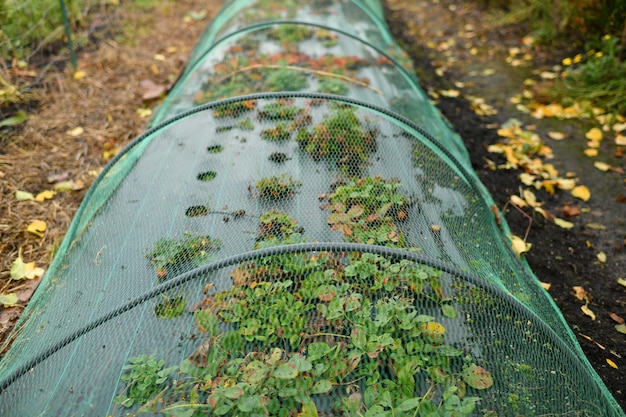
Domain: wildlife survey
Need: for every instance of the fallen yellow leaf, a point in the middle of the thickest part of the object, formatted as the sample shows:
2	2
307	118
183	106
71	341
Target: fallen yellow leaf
620	140
37	228
556	135
546	286
566	184
581	192
618	127
601	257
24	270
518	201
588	312
622	282
594	134
611	363
579	292
144	112
518	244
563	223
530	198
45	195
79	75
527	179
601	166
591	152
77	131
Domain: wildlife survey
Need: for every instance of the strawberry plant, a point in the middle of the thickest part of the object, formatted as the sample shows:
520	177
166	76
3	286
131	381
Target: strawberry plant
340	136
174	256
277	187
368	210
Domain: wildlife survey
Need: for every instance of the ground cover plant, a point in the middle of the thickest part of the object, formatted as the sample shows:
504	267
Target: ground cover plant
172	256
294	330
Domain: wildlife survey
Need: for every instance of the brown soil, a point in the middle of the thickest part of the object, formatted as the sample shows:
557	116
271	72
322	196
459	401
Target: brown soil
105	101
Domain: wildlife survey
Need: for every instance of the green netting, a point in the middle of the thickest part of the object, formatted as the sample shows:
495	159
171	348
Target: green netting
293	253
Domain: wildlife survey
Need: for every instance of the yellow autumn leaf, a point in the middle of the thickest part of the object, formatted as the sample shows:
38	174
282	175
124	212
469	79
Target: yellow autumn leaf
450	93
594	134
588	312
144	112
434	327
563	223
79	75
527	179
519	202
530	198
602	166
556	135
581	192
591	152
24	270
37	228
620	140
546	286
611	363
77	131
518	244
622	282
601	257
566	184
45	195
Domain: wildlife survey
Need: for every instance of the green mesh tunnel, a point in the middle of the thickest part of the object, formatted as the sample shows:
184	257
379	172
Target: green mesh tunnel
298	233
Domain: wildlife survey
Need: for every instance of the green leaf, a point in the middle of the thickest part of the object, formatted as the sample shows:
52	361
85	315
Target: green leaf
286	371
322	387
19	118
308	409
409	404
248	403
23	195
207	322
9	300
301	363
449	311
477	377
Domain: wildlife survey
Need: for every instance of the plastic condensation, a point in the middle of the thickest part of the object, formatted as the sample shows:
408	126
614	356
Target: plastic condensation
295	167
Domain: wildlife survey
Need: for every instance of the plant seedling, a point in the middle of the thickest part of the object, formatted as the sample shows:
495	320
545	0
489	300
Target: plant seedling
277	187
173	253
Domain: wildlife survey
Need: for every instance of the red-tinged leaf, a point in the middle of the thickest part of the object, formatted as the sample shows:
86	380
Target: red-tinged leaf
569	211
371	218
355	211
347	231
616	318
477	377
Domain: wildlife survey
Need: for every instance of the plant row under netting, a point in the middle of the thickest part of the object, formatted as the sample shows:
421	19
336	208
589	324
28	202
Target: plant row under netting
299	233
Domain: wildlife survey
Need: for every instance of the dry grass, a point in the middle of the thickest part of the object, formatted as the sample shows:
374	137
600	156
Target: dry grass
104	104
